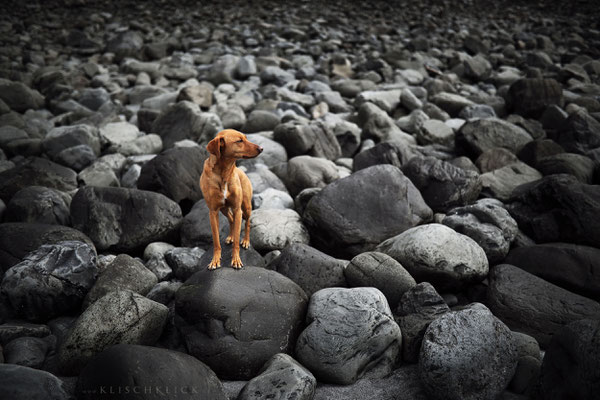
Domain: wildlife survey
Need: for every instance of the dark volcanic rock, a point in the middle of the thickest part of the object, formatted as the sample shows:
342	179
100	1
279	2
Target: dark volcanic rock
340	223
126	44
418	307
311	269
18	239
236	335
126	219
581	133
442	185
393	153
571	266
467	355
26	351
558	208
315	139
38	204
17	382
533	306
51	281
350	333
19	97
531	96
137	367
582	167
36	172
196	230
571	366
308	172
176	174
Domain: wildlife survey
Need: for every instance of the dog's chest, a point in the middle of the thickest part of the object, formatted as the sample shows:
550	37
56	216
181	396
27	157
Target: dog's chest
225	193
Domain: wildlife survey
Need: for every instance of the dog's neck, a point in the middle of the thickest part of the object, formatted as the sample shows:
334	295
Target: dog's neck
223	167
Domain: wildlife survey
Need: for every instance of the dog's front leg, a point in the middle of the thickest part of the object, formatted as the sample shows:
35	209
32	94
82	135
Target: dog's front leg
214	226
236	261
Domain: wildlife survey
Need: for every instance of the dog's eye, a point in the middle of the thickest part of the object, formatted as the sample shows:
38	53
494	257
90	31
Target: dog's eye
240	141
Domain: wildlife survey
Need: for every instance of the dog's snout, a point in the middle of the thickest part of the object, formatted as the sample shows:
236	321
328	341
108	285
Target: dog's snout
260	149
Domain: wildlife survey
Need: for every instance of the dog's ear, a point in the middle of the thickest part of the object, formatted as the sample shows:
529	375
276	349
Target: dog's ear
215	146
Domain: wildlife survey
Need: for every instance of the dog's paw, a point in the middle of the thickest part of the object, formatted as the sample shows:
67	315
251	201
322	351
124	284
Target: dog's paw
236	262
229	239
245	243
214	264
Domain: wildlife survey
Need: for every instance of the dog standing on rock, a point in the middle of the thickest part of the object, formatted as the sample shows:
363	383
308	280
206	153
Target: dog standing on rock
226	188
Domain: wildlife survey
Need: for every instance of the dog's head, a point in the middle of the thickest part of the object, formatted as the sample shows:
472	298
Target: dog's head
232	144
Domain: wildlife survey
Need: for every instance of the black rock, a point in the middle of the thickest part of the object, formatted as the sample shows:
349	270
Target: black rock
196	230
157	373
51	281
17	382
533	306
185	261
126	44
236	334
534	151
418	307
442	185
558	208
38	204
18	239
65	137
36	172
570	266
341	225
480	135
125	219
582	167
571	365
250	257
26	351
581	133
530	96
19	97
176	174
311	269
14	330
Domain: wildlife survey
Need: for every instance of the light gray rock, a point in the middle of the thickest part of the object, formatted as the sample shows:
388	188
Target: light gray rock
99	174
434	131
351	333
501	182
123	273
281	377
154	259
437	254
410	101
272	199
378	270
64	137
378	125
533	306
387	100
488	223
484	134
145	144
273	229
308	172
118	317
119	132
451	103
50	281
467	354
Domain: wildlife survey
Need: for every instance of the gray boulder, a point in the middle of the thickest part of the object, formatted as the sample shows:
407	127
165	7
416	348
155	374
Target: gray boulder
530	96
176	174
451	103
196	230
311	269
442	185
308	172
19	97
260	121
502	182
123	273
281	377
135	367
467	354
65	137
393	153
273	152
38	204
496	158
124	219
184	261
316	139
480	135
533	306
341	224
437	254
26	351
571	366
51	281
488	223
582	167
350	333
119	317
273	229
378	270
236	335
418	307
379	126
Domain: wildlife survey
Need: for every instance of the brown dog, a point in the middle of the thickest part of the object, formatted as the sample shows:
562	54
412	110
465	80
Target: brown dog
226	188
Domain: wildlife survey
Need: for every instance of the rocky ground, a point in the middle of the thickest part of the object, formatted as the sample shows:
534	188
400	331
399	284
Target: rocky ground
425	220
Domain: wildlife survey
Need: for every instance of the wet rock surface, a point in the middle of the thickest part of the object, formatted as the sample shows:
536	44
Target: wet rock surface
430	154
